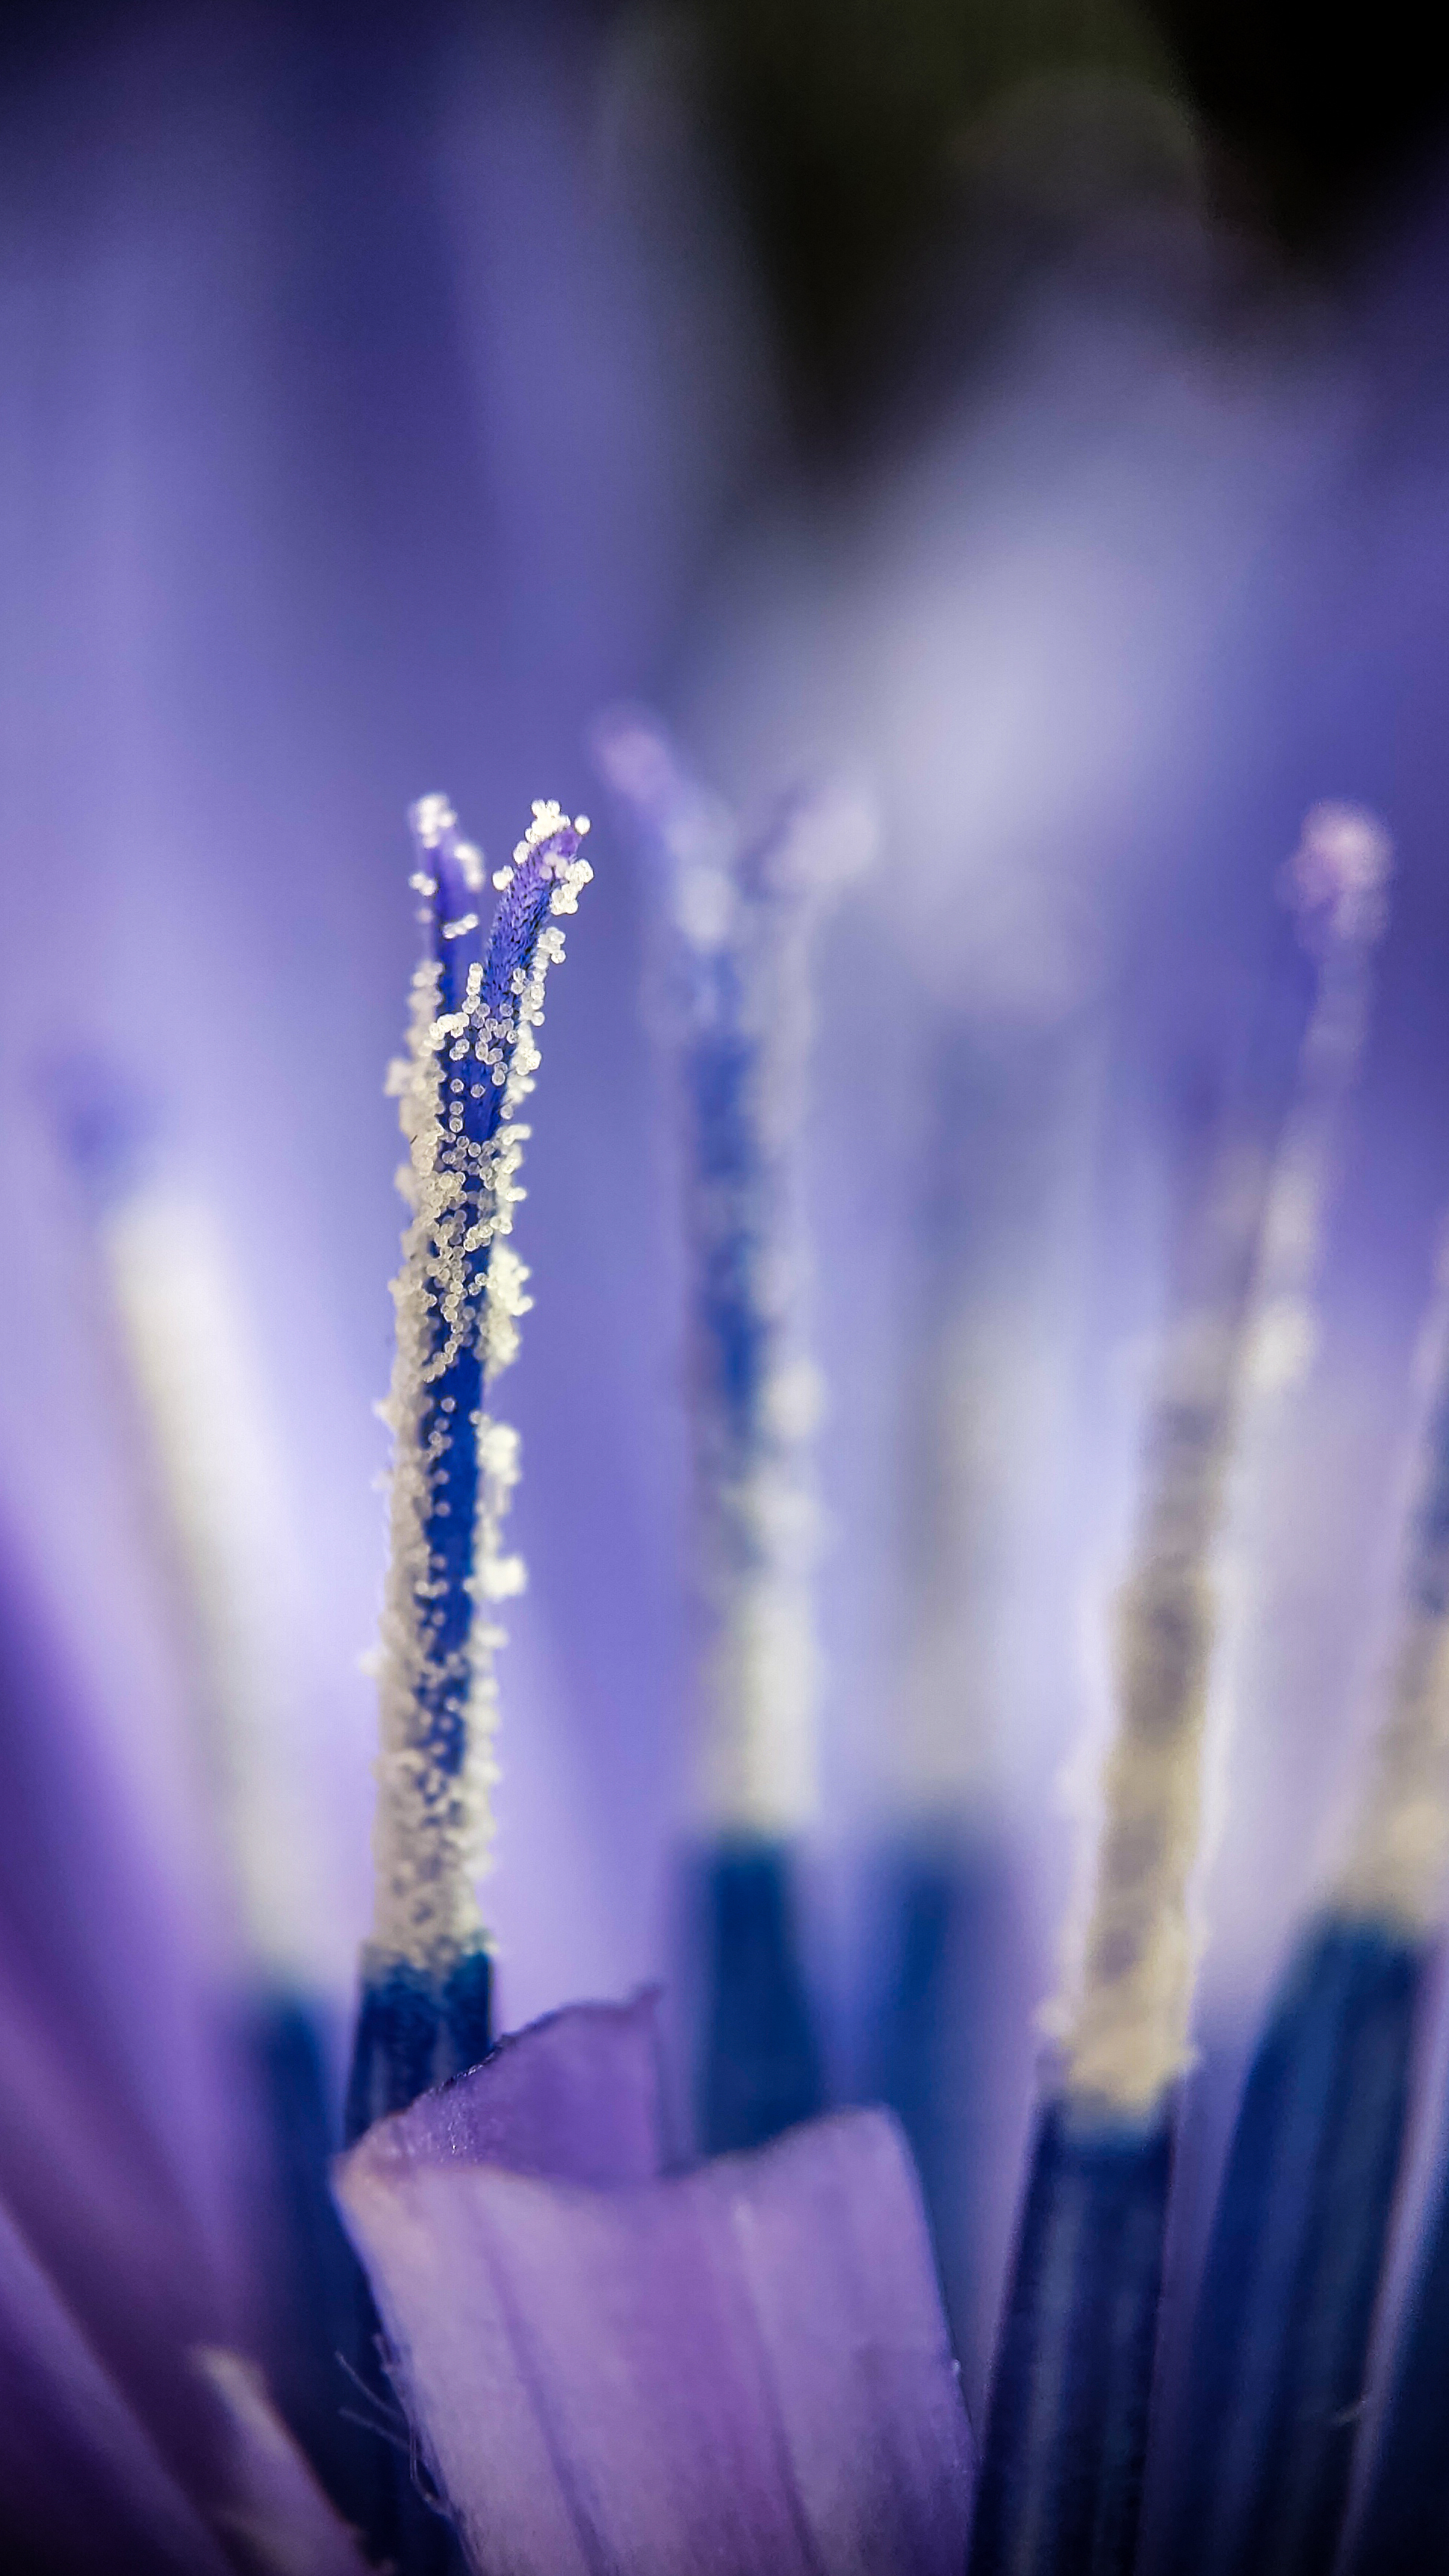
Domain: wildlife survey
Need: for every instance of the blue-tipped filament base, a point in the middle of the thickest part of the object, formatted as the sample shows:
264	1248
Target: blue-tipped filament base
1405	2519
943	1919
311	2266
1066	2428
1280	2342
413	2031
761	2071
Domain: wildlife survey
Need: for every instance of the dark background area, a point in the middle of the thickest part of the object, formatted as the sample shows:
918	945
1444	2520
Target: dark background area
848	122
851	127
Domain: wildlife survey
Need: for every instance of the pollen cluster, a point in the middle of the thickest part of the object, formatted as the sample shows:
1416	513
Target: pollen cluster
470	1064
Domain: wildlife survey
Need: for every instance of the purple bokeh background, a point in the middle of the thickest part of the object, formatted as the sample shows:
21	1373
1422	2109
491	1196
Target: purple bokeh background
371	416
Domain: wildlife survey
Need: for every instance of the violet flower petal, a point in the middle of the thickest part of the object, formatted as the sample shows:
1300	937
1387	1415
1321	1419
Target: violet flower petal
274	2512
575	2098
742	2369
82	2483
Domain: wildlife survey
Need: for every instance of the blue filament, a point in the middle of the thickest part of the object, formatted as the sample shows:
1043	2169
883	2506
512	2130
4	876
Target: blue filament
1280	2349
418	2024
762	2065
1066	2428
735	970
413	2031
448	1425
762	2068
1405	2520
734	1334
1280	2342
945	1930
312	2271
395	2047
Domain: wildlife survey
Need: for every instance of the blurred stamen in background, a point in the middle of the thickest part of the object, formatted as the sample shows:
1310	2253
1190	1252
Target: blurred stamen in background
212	1469
1066	2440
742	910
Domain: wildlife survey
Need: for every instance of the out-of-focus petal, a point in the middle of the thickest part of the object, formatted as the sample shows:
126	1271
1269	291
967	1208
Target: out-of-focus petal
113	2158
83	2486
744	2367
274	2512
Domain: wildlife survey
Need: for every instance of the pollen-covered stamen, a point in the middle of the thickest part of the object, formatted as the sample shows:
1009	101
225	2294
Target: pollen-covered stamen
1398	1848
450	878
1126	2026
470	1063
744	913
1337	883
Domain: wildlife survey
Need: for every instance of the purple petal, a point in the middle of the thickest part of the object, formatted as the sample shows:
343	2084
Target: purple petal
743	2369
835	2250
82	2483
275	2513
575	2097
